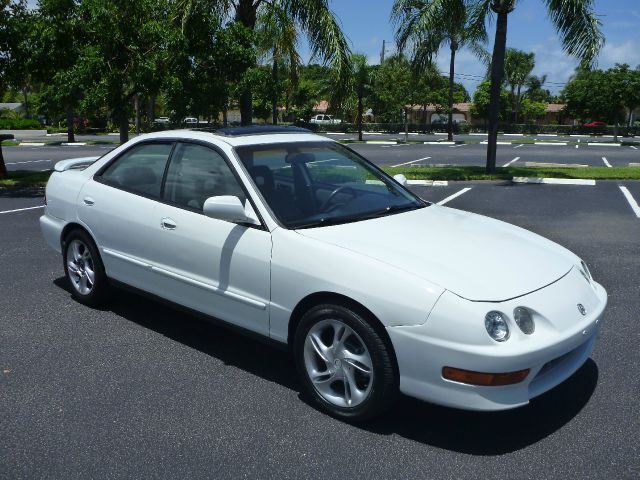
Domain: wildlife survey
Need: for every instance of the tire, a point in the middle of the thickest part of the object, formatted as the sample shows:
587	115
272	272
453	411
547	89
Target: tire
84	269
345	366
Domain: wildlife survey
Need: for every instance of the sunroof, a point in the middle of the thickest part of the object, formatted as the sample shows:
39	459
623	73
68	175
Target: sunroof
255	130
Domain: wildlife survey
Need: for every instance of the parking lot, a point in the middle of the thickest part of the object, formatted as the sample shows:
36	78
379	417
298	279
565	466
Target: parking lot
143	390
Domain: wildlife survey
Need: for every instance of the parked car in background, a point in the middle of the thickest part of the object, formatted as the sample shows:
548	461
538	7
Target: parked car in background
164	120
190	121
594	124
297	238
323	119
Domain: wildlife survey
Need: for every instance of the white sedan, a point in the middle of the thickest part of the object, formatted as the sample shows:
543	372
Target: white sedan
297	238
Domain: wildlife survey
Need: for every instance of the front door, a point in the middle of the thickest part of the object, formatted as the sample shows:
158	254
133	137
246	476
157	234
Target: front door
213	266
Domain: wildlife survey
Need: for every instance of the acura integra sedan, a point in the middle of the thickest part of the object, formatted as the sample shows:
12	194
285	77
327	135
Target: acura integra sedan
296	238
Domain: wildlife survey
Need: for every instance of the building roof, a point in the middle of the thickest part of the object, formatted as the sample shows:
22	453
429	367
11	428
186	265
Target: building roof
11	106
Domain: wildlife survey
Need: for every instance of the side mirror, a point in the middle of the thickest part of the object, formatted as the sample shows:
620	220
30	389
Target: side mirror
401	179
228	208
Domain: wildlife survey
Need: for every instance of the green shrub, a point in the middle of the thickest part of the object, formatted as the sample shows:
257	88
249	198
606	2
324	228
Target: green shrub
19	124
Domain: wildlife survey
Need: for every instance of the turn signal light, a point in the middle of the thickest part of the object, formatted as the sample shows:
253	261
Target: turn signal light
484	379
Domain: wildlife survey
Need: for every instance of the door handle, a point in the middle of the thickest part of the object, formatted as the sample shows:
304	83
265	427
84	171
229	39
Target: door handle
88	201
168	224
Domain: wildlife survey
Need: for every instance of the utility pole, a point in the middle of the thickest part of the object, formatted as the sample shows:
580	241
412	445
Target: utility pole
382	52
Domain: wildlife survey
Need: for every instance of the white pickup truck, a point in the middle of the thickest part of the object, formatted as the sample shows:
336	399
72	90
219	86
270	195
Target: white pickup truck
323	119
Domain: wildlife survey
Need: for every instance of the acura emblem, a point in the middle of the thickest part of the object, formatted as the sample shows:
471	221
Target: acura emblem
581	309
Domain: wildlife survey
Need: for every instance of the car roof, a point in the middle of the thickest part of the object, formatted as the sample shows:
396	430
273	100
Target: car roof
241	136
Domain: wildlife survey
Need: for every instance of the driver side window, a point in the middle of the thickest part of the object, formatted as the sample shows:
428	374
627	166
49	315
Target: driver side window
196	173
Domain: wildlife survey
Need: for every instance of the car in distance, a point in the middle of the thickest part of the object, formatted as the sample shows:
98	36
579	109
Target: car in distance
297	238
322	119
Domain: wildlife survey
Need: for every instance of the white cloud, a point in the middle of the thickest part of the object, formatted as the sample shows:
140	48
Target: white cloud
625	52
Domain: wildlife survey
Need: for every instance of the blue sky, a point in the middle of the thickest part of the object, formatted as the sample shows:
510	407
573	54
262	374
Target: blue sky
366	24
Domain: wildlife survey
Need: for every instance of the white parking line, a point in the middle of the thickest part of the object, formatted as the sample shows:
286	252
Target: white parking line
28	161
599	144
604	159
635	148
509	163
554	181
518	146
455	195
456	146
632	201
412	161
21	209
380	142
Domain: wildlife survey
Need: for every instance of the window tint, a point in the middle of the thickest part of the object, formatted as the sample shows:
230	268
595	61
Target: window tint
140	169
197	173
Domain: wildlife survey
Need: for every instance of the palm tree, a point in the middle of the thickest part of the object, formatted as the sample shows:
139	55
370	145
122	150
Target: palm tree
277	38
361	82
427	25
517	69
312	17
574	20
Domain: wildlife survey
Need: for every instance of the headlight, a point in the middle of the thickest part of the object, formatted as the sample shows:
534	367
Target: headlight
496	326
524	320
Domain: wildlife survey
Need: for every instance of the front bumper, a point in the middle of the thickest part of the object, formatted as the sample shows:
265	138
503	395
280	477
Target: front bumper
562	342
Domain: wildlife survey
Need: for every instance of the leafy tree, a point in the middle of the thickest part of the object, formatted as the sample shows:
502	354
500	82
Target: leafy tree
482	102
517	69
427	25
312	17
12	28
602	95
579	30
125	54
57	37
532	110
393	83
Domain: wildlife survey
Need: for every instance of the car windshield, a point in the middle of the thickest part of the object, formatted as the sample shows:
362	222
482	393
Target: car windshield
311	184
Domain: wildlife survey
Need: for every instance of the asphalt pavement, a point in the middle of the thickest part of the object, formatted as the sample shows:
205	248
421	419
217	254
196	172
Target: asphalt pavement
142	390
518	154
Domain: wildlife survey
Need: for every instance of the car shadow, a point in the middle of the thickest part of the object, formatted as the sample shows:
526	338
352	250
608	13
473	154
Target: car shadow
476	433
22	192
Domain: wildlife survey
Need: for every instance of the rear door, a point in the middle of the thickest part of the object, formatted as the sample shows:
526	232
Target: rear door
117	206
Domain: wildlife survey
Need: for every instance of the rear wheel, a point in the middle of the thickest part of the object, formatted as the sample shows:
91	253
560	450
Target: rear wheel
344	363
84	269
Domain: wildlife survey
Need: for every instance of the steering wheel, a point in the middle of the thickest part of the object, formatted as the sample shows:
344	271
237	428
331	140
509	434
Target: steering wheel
341	189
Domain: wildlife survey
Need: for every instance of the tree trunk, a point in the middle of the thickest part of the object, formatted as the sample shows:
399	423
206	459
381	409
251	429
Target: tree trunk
70	134
274	76
246	107
497	70
615	127
360	95
451	72
225	111
136	106
517	111
246	14
513	105
3	168
25	94
124	128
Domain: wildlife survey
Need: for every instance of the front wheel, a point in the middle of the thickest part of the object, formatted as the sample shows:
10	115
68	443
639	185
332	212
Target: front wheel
344	363
84	269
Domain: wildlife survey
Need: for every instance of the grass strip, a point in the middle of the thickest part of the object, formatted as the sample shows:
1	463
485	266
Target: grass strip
507	173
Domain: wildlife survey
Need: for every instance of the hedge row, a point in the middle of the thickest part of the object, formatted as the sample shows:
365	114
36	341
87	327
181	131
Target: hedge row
19	124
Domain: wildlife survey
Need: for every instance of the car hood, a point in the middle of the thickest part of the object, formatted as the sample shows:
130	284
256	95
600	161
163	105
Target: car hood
475	257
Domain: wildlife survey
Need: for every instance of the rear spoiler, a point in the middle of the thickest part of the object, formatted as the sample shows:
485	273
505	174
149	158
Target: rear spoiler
74	163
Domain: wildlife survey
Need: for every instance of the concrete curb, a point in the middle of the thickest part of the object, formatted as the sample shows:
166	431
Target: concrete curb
554	181
428	183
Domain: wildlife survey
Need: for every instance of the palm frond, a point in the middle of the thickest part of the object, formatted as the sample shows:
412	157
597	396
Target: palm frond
578	26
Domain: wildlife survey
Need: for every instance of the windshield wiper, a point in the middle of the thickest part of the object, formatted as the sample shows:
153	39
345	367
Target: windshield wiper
323	222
